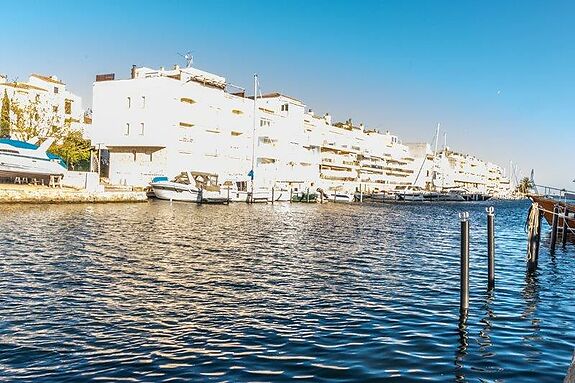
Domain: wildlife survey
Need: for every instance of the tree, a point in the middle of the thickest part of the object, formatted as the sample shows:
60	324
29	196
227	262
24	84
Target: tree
35	119
5	116
525	185
73	148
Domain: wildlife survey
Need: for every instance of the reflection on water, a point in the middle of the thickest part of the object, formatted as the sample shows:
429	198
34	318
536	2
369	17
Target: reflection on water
179	292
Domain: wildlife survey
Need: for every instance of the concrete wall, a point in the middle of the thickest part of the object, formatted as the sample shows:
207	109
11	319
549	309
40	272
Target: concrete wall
88	181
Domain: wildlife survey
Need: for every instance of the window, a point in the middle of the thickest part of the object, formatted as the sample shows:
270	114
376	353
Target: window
56	90
129	102
55	108
143	102
127	132
141	129
68	106
284	108
265	122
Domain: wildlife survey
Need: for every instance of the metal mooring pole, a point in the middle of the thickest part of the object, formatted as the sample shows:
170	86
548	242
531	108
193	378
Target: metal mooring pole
464	271
490	248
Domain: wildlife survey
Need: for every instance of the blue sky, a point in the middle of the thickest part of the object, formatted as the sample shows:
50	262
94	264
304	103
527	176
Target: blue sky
498	75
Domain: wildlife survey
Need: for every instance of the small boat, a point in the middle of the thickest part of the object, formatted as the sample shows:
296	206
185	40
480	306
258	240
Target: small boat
444	196
340	197
199	187
411	193
25	158
376	197
306	196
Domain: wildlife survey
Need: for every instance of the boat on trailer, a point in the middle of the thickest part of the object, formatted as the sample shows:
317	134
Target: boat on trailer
26	159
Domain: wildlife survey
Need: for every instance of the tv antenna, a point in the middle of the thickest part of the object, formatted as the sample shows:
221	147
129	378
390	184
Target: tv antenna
189	59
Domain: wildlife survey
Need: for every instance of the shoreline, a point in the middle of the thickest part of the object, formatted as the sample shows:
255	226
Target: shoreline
31	194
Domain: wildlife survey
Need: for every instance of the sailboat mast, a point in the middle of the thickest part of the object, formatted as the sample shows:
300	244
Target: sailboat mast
436	140
435	156
252	173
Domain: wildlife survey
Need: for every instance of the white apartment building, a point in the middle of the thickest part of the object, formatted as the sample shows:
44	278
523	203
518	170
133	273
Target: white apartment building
162	122
448	169
44	102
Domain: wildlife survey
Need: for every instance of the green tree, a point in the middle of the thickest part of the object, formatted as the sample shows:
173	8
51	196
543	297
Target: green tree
5	116
525	185
73	148
33	119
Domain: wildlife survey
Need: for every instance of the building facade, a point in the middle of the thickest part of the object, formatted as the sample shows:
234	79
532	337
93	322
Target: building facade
42	106
162	122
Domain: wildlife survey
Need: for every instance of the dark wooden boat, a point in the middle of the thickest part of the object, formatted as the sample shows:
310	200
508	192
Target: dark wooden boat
548	203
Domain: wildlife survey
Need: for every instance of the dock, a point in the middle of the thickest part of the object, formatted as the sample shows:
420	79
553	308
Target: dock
44	194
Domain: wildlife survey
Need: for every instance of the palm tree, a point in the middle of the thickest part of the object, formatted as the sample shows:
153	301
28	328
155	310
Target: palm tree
525	185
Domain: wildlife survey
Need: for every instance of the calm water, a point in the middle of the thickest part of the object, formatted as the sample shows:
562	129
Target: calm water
160	292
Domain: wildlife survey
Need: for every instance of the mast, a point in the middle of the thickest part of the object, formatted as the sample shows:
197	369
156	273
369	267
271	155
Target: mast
435	155
254	133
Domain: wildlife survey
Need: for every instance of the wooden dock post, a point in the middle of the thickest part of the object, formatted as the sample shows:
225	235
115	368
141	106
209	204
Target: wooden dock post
565	226
273	195
290	195
554	224
307	195
464	264
534	237
490	248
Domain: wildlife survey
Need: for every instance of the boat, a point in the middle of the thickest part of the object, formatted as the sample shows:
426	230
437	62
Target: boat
446	196
379	197
199	187
306	196
548	202
411	193
340	197
26	159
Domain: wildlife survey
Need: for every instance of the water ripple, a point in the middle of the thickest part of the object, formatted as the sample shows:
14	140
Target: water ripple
178	292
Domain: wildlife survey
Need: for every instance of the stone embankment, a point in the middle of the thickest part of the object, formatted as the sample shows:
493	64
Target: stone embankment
44	194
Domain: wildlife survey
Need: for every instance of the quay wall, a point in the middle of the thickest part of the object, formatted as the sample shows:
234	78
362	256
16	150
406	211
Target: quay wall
50	195
88	181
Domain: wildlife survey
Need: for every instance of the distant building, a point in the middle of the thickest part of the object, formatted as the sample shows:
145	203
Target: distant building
42	105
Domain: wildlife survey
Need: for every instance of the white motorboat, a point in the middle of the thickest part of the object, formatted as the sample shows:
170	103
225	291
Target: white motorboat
341	197
24	158
189	186
381	196
410	193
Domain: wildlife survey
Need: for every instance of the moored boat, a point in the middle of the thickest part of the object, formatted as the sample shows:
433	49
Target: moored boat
189	186
547	204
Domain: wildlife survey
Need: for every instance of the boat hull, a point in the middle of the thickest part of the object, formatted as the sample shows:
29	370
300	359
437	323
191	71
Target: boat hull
548	204
18	166
172	191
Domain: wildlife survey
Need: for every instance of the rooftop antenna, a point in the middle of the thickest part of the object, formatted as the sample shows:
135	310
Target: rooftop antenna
189	58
